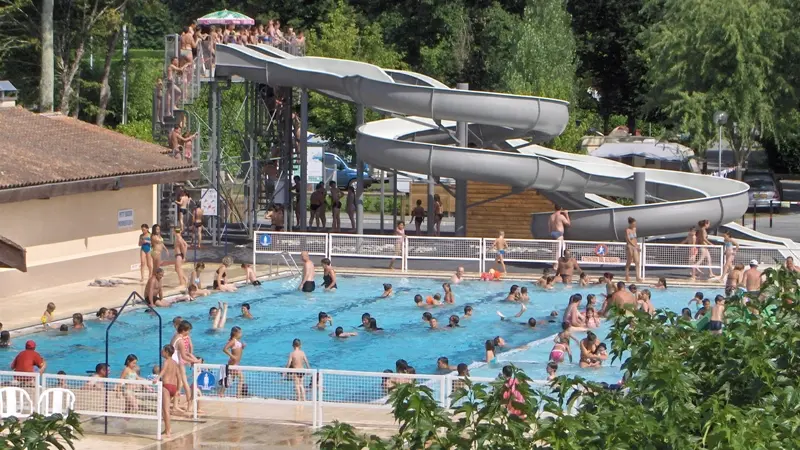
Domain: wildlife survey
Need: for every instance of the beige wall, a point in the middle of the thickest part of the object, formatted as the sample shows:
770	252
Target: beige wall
74	237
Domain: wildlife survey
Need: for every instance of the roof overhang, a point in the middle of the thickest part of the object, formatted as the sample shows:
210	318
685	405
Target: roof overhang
12	256
49	190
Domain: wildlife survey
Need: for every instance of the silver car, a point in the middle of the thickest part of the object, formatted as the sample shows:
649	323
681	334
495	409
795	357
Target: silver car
763	192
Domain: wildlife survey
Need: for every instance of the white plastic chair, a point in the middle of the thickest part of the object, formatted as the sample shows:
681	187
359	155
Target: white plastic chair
56	401
15	402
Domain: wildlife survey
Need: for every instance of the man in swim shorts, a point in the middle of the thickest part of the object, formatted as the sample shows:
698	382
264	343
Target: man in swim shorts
566	265
307	282
752	280
557	222
717	315
170	379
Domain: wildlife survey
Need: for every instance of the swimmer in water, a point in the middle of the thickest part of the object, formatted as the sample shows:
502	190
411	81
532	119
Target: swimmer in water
449	297
433	323
513	294
373	325
583	279
246	311
453	322
328	275
552	368
548	284
323	320
426	317
489	346
467	311
542	281
218	316
387	290
523	294
340	333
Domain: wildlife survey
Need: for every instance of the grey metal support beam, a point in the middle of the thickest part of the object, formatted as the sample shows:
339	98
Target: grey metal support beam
359	176
254	172
303	194
462	132
639	184
431	196
286	159
383	193
214	105
394	199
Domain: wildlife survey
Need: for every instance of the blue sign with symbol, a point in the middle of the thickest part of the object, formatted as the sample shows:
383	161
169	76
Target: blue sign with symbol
601	250
265	240
206	381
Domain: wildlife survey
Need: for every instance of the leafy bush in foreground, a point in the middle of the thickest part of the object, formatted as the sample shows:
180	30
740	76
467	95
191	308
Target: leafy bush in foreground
40	433
683	389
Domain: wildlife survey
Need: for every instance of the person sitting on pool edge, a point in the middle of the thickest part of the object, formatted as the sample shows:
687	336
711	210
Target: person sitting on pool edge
339	333
250	274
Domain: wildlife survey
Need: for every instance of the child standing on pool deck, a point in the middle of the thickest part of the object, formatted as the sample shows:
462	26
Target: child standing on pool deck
234	349
500	246
47	315
298	360
169	376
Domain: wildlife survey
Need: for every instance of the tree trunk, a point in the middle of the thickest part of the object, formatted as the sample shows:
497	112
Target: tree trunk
68	77
105	89
632	124
47	80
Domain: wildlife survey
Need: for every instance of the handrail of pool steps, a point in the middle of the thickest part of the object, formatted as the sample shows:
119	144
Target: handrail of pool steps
134	295
480	250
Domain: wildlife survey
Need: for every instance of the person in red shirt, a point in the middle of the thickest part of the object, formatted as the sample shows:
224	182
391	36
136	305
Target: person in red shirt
27	359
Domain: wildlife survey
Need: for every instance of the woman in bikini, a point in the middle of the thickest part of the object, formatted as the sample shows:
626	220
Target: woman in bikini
691	239
351	206
145	260
631	250
221	274
181	249
438	214
336	207
184	355
233	349
560	348
158	246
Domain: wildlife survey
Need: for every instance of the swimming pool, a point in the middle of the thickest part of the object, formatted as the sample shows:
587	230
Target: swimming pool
282	313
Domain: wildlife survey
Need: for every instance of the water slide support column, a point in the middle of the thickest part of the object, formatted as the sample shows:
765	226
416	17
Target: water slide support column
286	157
639	183
431	203
359	176
461	185
214	105
303	194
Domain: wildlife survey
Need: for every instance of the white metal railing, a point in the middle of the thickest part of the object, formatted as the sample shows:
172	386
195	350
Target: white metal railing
95	396
483	251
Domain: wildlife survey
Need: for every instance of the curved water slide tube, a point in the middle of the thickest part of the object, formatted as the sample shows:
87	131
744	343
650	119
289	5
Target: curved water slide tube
416	143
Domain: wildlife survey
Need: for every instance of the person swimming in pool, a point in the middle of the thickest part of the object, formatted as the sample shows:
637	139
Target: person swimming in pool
449	297
453	321
246	311
513	293
426	317
340	333
323	320
467	311
373	325
387	290
329	275
500	246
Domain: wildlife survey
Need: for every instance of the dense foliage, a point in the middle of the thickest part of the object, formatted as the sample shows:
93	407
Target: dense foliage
683	389
40	433
661	66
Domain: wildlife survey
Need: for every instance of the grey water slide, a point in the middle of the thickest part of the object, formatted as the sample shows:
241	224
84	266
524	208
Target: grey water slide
417	142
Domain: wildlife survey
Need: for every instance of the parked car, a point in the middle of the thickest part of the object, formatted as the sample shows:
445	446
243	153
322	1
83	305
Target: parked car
763	191
345	175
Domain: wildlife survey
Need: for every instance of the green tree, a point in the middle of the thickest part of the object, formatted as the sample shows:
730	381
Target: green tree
705	56
609	57
344	34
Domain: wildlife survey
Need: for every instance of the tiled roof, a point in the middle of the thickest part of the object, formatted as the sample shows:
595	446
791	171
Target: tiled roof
42	149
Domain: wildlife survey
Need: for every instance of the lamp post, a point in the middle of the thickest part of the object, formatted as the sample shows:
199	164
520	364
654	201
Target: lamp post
720	118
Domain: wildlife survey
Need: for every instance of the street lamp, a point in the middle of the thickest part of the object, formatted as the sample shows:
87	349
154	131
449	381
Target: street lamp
720	118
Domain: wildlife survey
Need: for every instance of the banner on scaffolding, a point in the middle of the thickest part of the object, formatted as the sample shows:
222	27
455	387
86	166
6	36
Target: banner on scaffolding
208	201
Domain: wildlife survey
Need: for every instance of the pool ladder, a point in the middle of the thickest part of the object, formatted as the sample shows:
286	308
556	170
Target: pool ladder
290	262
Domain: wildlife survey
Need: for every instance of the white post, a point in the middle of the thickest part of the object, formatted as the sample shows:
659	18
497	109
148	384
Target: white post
194	392
721	261
255	244
404	255
320	398
642	259
482	263
314	399
159	409
443	396
328	245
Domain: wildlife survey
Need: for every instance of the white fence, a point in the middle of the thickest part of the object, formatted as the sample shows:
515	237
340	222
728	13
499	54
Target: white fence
95	396
311	396
410	249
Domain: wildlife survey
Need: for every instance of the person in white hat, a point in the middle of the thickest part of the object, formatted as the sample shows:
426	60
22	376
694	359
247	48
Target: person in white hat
752	279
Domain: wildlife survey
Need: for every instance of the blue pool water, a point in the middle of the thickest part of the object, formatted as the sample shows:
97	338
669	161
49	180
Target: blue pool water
282	314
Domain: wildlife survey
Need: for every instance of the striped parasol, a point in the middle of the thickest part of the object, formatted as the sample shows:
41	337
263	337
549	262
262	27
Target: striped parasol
225	17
